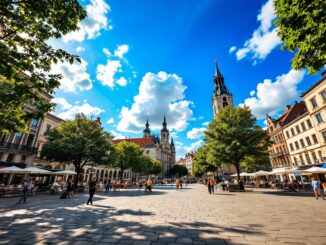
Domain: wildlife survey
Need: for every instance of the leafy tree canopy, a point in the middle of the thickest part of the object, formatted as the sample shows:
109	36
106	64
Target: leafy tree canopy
80	141
302	26
150	165
26	57
233	135
204	161
128	155
178	170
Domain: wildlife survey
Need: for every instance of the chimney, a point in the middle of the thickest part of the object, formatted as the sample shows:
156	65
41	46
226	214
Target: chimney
288	107
98	120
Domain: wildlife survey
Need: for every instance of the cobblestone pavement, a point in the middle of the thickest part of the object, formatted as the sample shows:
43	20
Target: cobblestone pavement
190	216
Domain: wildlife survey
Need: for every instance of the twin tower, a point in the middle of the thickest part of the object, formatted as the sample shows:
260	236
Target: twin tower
165	133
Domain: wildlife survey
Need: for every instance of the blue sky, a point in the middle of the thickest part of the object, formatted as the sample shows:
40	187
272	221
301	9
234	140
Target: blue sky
149	58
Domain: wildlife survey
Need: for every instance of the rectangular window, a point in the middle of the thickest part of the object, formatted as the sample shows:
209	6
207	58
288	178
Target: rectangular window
18	137
320	156
314	156
301	160
313	102
319	118
34	123
10	157
308	141
303	126
302	143
291	147
309	123
324	135
308	158
23	159
323	95
314	138
287	134
48	127
30	140
292	131
298	129
296	145
2	137
295	160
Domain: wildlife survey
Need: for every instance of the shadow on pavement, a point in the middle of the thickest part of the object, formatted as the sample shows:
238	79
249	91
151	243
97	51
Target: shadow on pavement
79	223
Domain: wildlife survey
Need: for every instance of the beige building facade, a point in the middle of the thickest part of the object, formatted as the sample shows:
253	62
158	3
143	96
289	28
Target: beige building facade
315	99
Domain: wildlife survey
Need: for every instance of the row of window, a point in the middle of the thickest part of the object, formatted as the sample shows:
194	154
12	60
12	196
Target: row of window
313	100
304	142
277	138
280	149
11	157
305	158
281	162
297	128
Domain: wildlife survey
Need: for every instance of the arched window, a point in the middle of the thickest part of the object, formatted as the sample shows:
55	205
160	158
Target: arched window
225	103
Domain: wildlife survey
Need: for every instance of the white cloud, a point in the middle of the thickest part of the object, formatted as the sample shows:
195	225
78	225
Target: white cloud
158	94
91	26
107	73
264	39
122	81
62	103
80	49
196	133
117	135
252	92
110	121
174	135
182	149
85	108
205	123
121	50
271	97
74	75
232	49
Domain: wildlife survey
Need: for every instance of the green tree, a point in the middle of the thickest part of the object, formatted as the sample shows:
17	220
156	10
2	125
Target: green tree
178	170
255	163
204	161
150	165
80	141
25	27
233	135
128	155
302	28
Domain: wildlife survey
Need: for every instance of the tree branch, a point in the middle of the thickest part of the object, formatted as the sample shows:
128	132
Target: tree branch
8	34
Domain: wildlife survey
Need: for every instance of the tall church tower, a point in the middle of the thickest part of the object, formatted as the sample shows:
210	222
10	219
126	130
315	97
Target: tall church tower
165	132
147	131
222	96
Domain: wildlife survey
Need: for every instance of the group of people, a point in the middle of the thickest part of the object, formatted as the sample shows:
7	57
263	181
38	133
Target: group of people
319	188
178	184
66	189
148	183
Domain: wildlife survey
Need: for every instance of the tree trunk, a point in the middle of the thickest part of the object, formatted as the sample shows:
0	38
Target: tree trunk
121	173
237	166
78	169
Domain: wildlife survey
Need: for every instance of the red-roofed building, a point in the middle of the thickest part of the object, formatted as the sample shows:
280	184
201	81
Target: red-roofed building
159	148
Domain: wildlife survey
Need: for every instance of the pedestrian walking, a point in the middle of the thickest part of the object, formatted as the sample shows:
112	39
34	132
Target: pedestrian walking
70	189
177	184
315	186
107	188
27	186
181	182
211	183
209	187
92	189
149	185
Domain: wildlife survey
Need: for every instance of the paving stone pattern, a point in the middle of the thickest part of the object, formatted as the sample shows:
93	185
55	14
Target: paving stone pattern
167	217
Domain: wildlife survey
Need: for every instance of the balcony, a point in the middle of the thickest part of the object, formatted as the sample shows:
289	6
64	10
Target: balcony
18	147
278	154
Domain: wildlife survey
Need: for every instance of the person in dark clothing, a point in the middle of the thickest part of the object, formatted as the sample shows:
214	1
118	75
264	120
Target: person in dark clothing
92	189
70	189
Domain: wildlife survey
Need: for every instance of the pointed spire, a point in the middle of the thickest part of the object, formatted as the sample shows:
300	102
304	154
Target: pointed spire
147	124
219	85
172	142
147	130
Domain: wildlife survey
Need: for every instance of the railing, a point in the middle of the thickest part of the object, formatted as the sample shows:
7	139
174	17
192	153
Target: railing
18	147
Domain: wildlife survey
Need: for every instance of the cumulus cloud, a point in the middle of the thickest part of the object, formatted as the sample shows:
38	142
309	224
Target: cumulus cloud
85	108
158	94
62	103
121	50
75	76
80	49
183	149
196	133
232	49
107	74
272	96
252	92
264	39
117	135
205	123
91	26
110	121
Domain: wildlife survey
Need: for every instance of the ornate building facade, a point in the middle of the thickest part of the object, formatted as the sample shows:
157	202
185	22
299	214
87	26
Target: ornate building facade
159	148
